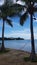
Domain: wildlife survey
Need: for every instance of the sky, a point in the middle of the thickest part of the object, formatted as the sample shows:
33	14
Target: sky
1	2
17	30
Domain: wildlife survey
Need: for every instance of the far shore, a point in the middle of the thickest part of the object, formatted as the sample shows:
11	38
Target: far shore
12	38
15	57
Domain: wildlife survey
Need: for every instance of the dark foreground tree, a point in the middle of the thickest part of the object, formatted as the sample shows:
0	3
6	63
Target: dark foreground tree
30	8
4	16
7	10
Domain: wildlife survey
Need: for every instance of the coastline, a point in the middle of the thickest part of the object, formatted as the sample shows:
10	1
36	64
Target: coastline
15	57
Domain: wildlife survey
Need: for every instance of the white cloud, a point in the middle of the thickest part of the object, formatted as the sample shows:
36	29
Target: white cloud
20	2
1	2
35	21
14	1
35	5
23	34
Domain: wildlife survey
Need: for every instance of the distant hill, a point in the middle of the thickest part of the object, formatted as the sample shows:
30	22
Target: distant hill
12	38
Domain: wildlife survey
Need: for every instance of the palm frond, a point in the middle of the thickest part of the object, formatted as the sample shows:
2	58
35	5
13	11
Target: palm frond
9	22
23	18
30	0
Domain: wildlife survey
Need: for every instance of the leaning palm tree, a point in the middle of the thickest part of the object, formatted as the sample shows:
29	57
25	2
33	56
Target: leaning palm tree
30	8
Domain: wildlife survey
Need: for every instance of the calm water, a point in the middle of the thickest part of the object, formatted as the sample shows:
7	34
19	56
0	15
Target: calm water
19	44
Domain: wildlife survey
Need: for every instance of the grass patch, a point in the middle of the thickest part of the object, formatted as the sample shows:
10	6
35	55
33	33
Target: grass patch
35	60
5	51
28	59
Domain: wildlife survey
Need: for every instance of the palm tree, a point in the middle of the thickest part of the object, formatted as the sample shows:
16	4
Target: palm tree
4	16
30	9
6	10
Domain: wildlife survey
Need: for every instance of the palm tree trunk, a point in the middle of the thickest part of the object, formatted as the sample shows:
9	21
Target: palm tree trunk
2	48
32	39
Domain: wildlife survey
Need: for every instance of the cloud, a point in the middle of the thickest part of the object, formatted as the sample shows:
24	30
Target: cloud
14	1
20	2
35	21
19	33
22	33
1	2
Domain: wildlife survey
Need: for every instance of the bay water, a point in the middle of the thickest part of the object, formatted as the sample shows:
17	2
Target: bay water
19	44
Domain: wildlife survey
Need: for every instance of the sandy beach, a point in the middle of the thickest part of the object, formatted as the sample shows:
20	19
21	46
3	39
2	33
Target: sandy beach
15	57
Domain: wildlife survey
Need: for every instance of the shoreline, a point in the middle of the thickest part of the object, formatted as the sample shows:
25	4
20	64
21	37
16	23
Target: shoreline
15	57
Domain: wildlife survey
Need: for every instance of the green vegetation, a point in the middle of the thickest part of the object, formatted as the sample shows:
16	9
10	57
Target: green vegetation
28	59
4	51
